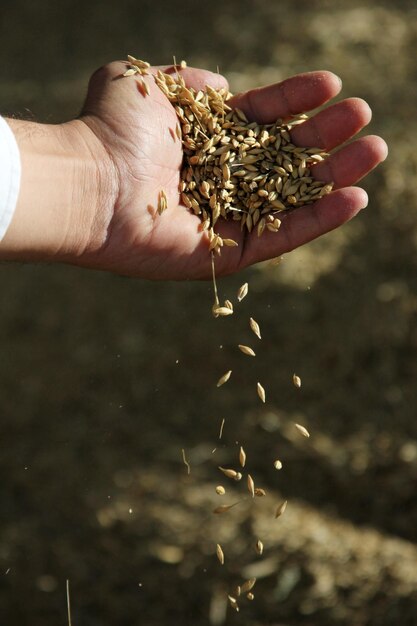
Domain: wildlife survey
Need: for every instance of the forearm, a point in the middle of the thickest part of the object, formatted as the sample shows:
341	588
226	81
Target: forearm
63	202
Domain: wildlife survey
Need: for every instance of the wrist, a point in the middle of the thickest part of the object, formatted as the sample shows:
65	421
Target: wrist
67	194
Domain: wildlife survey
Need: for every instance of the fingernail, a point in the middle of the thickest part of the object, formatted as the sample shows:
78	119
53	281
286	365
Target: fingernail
365	199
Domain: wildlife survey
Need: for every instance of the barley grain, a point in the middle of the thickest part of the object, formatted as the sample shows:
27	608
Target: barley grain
230	473
242	292
248	585
277	464
223	379
246	350
220	490
280	509
261	392
242	457
220	553
259	547
251	486
302	430
296	380
255	327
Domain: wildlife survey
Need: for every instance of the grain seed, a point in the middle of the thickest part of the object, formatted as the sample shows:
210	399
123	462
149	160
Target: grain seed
250	596
223	379
280	509
220	553
259	547
296	380
277	464
260	492
233	603
255	327
251	486
242	457
220	490
302	430
242	292
246	350
230	473
223	508
261	392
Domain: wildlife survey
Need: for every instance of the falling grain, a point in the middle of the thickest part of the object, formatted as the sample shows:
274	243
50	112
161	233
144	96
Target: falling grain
277	464
302	430
242	292
220	553
221	428
296	380
255	327
259	547
246	350
261	392
223	508
220	490
250	596
233	603
223	379
242	457
260	492
230	473
251	485
280	509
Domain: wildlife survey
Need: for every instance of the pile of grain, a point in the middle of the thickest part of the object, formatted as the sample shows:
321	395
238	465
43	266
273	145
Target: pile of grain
234	168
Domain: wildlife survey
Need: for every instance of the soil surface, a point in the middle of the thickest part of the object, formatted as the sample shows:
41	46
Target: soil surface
103	380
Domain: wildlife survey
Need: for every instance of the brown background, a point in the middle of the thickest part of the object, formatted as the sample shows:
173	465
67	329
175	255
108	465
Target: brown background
95	408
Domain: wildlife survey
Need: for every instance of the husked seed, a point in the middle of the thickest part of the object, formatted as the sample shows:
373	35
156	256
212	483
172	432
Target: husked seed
255	327
130	72
280	509
259	547
224	378
223	311
261	392
251	486
246	350
296	380
230	473
220	553
220	490
260	492
277	464
228	304
238	476
302	430
242	292
231	243
242	457
223	508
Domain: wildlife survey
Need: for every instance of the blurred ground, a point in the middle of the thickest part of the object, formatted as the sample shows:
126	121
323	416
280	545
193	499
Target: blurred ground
103	380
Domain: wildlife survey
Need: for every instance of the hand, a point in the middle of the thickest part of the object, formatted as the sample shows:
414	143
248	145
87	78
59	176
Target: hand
135	130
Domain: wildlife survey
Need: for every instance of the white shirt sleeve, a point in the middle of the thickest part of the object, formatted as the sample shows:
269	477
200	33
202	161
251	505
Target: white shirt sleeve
10	173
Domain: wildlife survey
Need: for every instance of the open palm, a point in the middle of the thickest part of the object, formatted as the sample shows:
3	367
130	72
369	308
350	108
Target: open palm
138	132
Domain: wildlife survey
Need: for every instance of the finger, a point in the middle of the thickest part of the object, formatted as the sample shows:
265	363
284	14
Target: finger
352	162
305	224
196	78
333	126
297	94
